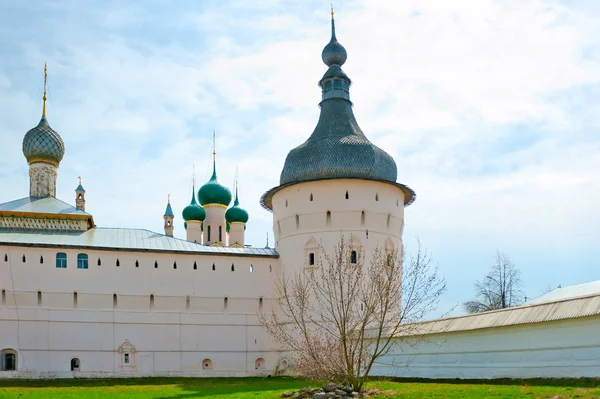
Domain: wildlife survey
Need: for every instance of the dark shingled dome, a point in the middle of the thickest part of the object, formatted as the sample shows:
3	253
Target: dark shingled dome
43	143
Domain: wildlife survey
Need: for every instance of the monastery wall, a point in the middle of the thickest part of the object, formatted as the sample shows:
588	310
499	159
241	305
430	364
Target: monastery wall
178	321
553	349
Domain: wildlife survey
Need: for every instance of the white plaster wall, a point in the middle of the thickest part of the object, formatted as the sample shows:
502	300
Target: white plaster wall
185	323
565	348
372	214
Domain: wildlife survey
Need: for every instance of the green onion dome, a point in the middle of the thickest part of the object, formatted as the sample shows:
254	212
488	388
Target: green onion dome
42	143
193	211
236	214
214	192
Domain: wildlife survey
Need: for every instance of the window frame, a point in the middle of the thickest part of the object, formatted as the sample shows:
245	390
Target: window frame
62	257
83	261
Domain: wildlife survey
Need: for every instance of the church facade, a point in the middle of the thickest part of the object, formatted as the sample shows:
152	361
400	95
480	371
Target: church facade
82	300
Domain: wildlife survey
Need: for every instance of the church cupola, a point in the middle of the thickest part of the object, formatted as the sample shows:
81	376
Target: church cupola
168	218
214	198
80	197
236	218
335	83
44	149
193	215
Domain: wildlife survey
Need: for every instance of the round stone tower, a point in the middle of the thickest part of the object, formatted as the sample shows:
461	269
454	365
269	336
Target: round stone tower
337	183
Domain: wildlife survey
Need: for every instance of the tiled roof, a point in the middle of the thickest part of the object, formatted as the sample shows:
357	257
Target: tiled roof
46	205
121	239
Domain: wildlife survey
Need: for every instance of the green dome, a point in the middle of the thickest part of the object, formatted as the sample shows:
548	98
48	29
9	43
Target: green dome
193	211
214	192
236	214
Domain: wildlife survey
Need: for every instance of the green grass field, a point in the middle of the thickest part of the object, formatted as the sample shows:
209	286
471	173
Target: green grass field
259	388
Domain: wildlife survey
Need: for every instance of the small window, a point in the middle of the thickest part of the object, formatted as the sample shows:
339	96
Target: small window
232	267
347	195
61	260
207	364
24	258
311	197
156	264
362	218
377	197
151	301
10	360
387	223
118	262
137	263
187	303
174	265
208	234
75	300
327	86
270	269
42	259
337	84
195	266
82	261
99	262
6	257
397	202
251	268
220	233
353	257
126	358
225	300
75	364
328	218
311	259
260	304
283	365
297	221
213	267
39	297
115	303
3	297
259	364
286	203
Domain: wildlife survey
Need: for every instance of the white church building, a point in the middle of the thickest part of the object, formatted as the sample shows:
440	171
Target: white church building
82	300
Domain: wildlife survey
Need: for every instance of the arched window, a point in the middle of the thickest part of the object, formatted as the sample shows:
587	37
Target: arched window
24	258
9	360
283	365
61	260
353	257
232	267
347	195
251	268
208	234
195	266
99	262
207	364
156	264
213	267
259	364
118	262
174	265
137	263
82	261
311	259
41	259
75	364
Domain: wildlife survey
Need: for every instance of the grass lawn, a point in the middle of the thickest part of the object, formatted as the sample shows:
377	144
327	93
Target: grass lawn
259	388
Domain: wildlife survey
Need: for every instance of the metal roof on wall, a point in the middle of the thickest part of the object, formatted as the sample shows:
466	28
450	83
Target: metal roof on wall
121	239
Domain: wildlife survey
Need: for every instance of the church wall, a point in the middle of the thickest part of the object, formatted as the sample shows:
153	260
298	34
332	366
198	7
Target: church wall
565	348
175	317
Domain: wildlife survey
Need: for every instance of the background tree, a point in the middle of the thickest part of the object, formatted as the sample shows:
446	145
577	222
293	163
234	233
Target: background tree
500	289
338	318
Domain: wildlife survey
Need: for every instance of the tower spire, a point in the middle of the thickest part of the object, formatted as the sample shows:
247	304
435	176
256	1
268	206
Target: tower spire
237	178
44	97
332	24
214	175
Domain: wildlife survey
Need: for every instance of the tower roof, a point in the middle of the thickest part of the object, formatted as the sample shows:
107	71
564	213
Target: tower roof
213	192
193	211
236	214
337	148
42	143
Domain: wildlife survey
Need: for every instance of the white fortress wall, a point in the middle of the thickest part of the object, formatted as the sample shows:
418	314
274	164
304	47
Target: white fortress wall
174	318
551	349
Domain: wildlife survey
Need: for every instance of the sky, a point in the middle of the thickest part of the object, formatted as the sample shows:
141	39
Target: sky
490	108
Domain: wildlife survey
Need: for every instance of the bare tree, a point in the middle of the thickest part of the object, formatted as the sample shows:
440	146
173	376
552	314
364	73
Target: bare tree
339	317
500	289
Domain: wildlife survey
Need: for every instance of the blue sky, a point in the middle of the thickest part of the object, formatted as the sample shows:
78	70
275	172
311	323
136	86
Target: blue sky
490	109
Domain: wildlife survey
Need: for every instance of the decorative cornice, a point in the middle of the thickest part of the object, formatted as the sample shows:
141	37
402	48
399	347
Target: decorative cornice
42	160
214	206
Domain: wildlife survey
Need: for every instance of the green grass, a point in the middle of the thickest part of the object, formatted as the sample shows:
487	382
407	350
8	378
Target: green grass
259	388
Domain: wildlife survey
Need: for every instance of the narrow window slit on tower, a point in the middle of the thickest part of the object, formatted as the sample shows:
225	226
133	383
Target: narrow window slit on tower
311	259
251	268
297	221
187	303
118	263
347	196
39	299
225	300
328	218
353	257
24	259
387	223
115	301
377	197
6	257
213	266
260	304
362	218
156	264
137	263
311	197
99	262
174	265
75	300
41	259
232	267
195	266
151	301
